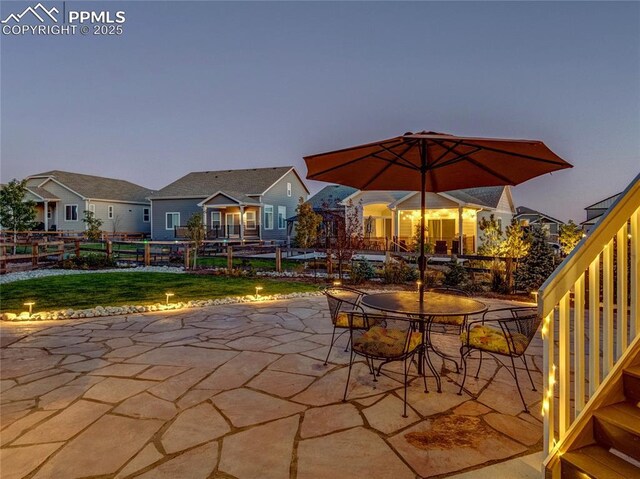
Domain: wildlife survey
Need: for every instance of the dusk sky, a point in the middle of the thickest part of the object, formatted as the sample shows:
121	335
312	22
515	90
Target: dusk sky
192	86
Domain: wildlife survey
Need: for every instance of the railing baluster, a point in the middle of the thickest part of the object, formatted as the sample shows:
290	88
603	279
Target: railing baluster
635	273
621	306
548	366
594	325
607	309
578	343
564	366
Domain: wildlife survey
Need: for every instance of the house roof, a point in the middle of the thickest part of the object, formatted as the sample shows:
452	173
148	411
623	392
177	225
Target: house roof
43	193
524	211
235	196
202	184
603	204
331	196
484	196
98	187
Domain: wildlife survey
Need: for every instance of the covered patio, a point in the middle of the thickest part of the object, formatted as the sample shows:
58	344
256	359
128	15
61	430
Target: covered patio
241	391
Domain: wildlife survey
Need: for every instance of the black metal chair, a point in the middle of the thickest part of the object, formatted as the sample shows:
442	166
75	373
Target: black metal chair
397	340
342	300
446	321
506	332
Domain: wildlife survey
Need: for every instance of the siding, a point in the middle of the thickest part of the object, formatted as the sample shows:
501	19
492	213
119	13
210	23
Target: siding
66	198
277	196
127	217
159	208
433	200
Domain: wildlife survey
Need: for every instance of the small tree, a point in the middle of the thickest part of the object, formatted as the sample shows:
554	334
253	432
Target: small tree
348	235
569	236
196	233
308	222
491	237
515	246
16	213
456	274
538	264
93	231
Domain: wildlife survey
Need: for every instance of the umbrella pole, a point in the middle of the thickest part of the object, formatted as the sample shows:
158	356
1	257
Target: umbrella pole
423	183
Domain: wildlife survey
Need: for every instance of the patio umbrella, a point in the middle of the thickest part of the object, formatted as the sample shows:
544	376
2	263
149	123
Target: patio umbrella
434	162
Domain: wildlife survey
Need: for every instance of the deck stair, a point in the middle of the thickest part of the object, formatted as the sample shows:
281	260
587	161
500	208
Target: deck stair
615	434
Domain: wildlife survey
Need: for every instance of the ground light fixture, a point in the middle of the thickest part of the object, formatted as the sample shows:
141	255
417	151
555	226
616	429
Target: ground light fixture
30	304
258	289
418	283
337	283
168	295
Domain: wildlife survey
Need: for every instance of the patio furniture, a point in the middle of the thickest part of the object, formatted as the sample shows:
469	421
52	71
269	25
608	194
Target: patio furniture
441	247
341	300
455	247
398	340
506	332
456	321
434	304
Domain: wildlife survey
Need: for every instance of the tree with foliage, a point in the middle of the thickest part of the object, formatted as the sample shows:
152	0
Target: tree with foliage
491	237
456	274
195	233
348	234
307	224
569	236
515	246
93	231
538	264
16	212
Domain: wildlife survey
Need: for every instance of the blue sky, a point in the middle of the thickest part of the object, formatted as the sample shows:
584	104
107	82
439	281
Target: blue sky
195	86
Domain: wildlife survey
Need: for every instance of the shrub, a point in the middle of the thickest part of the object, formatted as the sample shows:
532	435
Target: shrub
456	275
397	272
90	261
361	270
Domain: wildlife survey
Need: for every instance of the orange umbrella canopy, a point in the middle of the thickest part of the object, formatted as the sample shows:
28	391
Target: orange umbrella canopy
449	163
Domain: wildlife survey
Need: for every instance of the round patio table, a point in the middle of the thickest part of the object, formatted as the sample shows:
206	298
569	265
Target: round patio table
434	304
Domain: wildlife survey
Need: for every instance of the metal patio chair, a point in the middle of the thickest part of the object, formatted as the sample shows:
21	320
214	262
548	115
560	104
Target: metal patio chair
501	332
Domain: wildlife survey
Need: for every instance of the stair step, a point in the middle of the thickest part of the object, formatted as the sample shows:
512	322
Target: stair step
618	426
631	379
596	462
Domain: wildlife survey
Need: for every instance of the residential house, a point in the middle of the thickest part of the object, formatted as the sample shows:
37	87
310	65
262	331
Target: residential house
62	198
250	204
527	216
596	210
391	218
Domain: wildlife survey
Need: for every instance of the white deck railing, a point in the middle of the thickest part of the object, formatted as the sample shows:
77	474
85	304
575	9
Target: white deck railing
591	313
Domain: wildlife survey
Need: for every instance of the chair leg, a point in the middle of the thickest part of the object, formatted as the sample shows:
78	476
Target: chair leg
433	370
515	375
333	335
524	360
464	366
479	365
346	386
348	344
406	375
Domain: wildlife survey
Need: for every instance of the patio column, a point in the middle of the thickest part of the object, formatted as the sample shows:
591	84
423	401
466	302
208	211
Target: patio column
46	215
241	223
460	230
396	224
204	216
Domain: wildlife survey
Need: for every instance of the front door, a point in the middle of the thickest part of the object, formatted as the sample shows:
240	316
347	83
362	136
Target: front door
232	222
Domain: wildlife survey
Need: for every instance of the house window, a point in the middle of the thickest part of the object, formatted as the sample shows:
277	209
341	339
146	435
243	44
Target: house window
282	217
268	217
172	220
216	220
146	215
92	208
110	212
250	220
71	212
289	190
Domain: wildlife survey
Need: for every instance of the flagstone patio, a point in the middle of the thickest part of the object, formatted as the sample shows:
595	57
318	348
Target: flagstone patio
240	391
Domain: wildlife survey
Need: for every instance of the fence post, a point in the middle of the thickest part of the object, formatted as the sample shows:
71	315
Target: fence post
34	253
77	245
229	259
187	254
329	263
109	250
147	254
278	260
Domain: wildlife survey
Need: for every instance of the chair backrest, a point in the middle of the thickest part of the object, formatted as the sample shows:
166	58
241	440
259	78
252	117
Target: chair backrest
341	298
441	247
524	321
387	329
445	290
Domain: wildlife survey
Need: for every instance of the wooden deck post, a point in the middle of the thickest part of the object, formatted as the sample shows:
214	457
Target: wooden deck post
147	254
77	245
187	255
229	259
279	260
109	250
34	253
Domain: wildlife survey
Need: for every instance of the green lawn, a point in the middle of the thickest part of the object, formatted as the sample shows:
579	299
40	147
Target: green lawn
115	289
257	263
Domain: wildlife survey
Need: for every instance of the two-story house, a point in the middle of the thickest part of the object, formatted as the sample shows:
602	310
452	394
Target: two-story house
249	204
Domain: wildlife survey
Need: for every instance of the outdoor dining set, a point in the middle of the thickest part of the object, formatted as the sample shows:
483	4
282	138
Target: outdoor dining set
402	327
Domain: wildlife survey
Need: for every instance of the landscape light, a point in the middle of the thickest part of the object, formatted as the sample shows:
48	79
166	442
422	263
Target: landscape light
30	304
258	289
337	283
168	295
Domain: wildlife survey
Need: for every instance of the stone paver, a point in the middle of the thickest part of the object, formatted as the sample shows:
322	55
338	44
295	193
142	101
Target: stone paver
160	395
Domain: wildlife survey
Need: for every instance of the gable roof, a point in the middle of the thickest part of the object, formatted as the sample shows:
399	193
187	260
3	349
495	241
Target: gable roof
97	187
42	193
603	204
234	196
524	211
202	184
330	195
483	196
